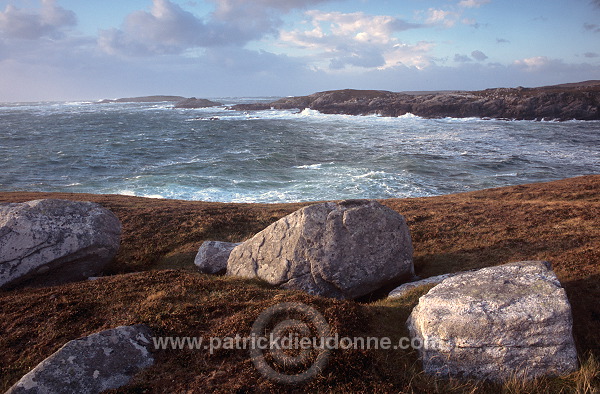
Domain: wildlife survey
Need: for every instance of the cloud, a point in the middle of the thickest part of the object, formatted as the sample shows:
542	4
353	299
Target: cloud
473	3
49	20
441	17
592	27
478	55
596	3
532	63
502	41
169	29
357	40
591	55
462	58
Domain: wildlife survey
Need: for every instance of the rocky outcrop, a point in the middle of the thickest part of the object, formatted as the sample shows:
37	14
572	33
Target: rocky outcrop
196	103
55	241
213	255
560	102
102	361
341	250
496	323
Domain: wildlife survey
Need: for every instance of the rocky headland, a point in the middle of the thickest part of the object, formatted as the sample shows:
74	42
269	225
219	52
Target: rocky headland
579	101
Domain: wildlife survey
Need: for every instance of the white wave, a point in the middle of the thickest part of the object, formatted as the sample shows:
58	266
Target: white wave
409	115
310	166
370	174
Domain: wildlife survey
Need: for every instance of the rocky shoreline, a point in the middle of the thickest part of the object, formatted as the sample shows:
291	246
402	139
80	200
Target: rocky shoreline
580	101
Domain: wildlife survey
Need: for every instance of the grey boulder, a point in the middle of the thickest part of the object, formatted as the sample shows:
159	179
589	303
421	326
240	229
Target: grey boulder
404	288
496	323
102	361
339	250
213	255
55	241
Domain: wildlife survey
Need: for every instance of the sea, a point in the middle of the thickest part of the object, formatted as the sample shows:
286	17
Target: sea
219	154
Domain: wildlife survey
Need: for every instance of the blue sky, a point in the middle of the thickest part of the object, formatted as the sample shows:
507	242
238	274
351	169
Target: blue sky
79	50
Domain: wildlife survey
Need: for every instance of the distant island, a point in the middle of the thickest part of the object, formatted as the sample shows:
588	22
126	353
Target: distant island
143	99
579	101
180	101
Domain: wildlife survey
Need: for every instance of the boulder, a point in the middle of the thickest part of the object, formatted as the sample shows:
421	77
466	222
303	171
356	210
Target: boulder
212	256
404	288
55	241
496	323
340	250
102	361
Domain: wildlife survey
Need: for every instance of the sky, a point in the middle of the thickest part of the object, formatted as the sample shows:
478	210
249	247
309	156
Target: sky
92	49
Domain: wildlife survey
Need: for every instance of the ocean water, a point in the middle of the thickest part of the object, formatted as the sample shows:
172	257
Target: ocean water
216	154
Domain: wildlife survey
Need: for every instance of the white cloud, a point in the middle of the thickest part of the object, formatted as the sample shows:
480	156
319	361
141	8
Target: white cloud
49	20
357	40
441	17
169	29
532	63
472	3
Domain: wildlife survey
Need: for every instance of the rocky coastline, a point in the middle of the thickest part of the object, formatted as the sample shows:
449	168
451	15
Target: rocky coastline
579	101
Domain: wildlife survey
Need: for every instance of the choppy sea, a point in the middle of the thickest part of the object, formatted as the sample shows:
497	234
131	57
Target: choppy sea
217	154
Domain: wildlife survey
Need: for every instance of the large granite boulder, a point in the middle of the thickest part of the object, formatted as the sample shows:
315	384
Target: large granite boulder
55	241
340	250
496	323
213	255
405	288
102	361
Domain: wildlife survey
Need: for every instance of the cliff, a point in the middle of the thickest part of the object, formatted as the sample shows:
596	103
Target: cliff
559	102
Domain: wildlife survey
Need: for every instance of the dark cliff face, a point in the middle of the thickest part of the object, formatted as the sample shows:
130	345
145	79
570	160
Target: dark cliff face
561	102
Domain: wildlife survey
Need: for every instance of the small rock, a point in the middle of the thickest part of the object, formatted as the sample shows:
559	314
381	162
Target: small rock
340	250
496	323
212	256
102	361
55	241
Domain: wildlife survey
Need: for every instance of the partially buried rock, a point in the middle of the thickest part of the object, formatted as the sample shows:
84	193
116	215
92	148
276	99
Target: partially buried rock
55	241
213	255
340	250
102	361
496	323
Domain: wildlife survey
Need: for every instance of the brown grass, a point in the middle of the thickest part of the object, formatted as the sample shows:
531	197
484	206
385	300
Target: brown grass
557	221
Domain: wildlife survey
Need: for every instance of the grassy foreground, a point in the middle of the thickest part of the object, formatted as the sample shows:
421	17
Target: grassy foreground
153	281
